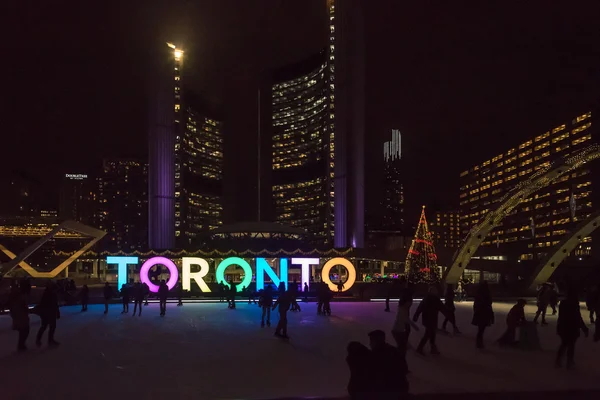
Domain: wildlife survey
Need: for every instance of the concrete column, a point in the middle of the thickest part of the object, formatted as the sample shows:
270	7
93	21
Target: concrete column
95	269
382	267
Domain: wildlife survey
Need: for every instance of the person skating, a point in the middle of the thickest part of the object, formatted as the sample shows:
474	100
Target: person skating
49	312
265	301
221	292
232	294
591	300
179	294
251	296
305	290
125	289
361	375
108	293
146	290
327	297
597	322
85	297
543	299
430	307
19	312
402	324
388	367
514	319
163	293
283	302
320	295
393	290
553	298
451	308
568	326
483	313
138	298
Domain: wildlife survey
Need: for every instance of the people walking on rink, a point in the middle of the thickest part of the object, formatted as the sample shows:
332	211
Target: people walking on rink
283	302
543	299
305	290
108	293
19	312
138	297
402	324
85	297
163	293
450	308
49	312
265	301
429	308
125	289
514	319
553	298
568	326
360	363
483	313
232	294
591	300
389	368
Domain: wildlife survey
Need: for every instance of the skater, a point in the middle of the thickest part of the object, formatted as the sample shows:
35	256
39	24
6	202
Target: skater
590	301
483	313
543	298
163	292
393	290
221	292
320	295
251	296
429	308
514	319
85	297
108	293
19	312
553	297
49	312
146	291
125	298
138	298
327	297
265	301
451	308
305	292
340	286
402	324
361	377
568	326
389	368
283	302
232	293
179	294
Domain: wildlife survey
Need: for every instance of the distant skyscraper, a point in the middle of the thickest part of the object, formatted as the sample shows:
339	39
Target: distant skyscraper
78	198
445	228
123	208
393	197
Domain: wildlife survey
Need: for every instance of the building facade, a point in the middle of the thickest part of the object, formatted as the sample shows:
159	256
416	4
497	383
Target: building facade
445	229
123	208
393	187
78	198
541	220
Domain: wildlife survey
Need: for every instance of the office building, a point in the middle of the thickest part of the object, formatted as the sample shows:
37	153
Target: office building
317	130
540	221
78	198
123	208
445	229
393	187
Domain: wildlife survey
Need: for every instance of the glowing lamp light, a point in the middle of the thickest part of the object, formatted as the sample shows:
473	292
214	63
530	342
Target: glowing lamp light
178	54
159	261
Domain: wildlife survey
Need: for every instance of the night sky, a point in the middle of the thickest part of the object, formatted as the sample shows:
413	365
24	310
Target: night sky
460	83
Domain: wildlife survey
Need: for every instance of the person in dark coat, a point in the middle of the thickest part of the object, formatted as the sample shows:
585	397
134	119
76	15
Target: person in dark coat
450	308
388	367
221	292
146	289
327	297
163	293
125	289
597	322
392	291
360	363
49	312
430	307
568	326
85	297
305	292
514	319
108	293
179	294
483	313
284	301
265	301
591	300
19	312
543	300
232	293
553	298
138	297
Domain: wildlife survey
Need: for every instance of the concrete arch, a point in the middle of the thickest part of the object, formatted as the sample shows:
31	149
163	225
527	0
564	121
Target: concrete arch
562	250
508	202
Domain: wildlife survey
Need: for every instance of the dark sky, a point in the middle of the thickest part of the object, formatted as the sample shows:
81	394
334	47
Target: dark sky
461	83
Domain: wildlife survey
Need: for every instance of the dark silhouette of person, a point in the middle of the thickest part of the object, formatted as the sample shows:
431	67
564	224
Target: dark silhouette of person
232	293
265	301
568	326
597	322
49	312
553	297
221	292
450	308
388	368
146	290
392	290
108	293
85	297
320	292
591	300
429	308
402	324
283	302
125	289
327	297
305	292
19	312
340	286
25	286
543	299
483	313
179	294
360	363
163	293
138	297
514	319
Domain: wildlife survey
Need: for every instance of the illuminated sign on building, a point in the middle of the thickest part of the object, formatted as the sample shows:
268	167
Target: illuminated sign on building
77	177
262	268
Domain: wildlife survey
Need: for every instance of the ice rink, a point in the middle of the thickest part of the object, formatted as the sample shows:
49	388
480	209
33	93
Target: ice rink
205	351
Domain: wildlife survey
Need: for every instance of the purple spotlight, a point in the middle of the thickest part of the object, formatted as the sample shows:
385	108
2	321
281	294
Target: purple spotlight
162	261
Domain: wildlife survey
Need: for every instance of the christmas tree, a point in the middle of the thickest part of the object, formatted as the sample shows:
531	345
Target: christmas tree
421	260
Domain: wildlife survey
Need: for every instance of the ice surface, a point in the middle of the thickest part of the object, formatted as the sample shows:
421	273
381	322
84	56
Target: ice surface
206	351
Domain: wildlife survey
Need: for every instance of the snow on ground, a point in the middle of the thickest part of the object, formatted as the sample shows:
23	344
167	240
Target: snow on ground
205	351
